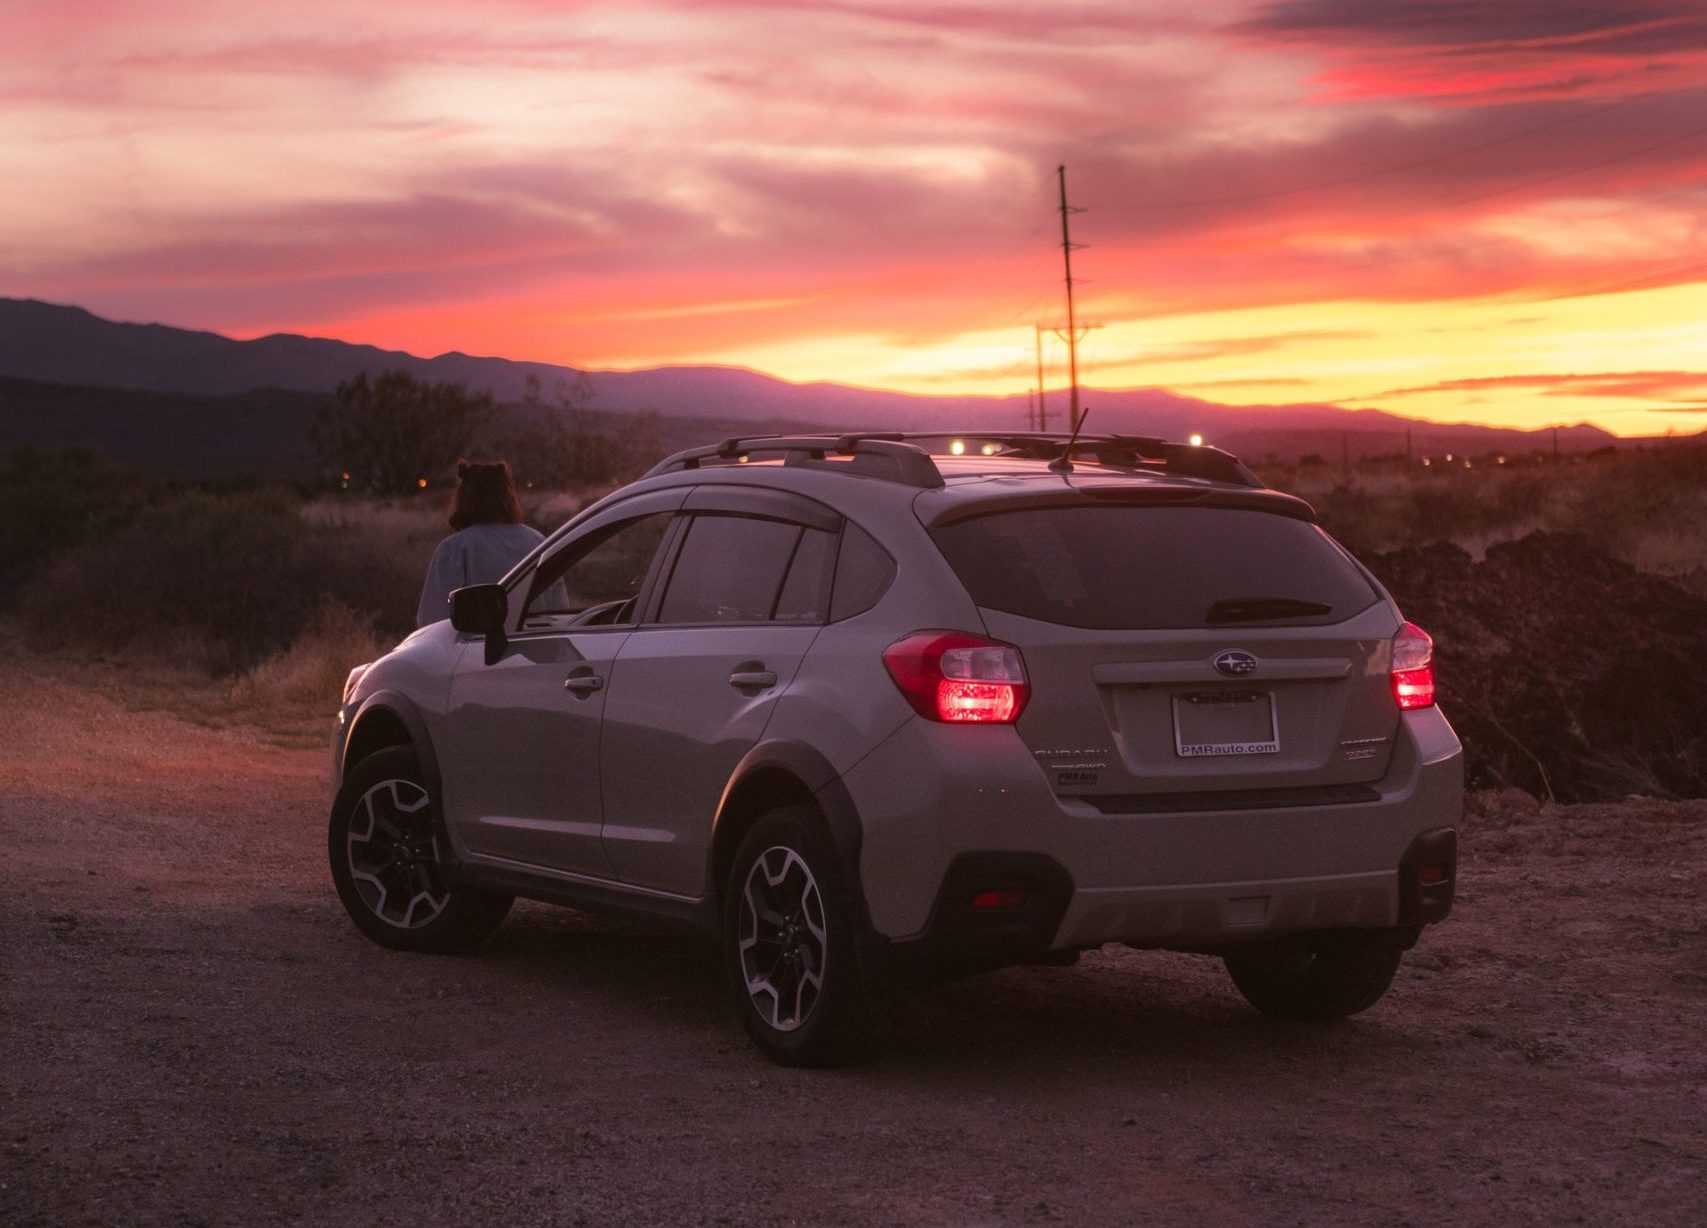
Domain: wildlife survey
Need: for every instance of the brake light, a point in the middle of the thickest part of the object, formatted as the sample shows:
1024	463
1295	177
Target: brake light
1413	668
959	678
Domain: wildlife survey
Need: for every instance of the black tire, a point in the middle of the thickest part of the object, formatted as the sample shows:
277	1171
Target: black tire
383	846
806	989
1313	978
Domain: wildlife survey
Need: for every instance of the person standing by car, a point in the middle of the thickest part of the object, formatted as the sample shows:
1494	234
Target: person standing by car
488	540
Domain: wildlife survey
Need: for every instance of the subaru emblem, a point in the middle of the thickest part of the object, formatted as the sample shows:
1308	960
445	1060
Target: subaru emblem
1236	664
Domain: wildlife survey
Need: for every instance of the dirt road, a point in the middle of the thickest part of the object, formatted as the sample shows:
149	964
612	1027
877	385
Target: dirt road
191	1033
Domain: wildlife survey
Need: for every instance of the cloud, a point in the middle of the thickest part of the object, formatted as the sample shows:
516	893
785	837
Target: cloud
1488	49
1686	389
608	183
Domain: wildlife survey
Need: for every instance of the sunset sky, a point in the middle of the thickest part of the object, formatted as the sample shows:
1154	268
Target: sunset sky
1464	210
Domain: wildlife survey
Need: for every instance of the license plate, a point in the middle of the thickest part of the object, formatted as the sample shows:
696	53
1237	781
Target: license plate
1210	723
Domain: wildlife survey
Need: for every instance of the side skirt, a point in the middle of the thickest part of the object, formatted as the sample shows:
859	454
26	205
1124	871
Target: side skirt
593	895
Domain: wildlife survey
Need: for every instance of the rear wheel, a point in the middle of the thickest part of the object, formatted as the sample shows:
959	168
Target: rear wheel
806	991
1317	977
385	857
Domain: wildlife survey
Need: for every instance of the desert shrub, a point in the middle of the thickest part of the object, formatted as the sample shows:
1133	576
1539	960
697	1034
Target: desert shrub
1567	673
53	501
311	672
220	580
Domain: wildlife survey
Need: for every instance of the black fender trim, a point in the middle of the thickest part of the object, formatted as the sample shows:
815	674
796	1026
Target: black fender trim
1423	903
809	766
959	937
403	710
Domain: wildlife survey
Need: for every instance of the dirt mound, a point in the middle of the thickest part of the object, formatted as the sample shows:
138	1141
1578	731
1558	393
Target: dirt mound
1565	671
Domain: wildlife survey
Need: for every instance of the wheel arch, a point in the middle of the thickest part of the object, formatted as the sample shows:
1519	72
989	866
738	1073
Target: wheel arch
386	719
781	772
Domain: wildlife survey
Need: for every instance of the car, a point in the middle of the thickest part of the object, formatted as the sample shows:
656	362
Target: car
883	709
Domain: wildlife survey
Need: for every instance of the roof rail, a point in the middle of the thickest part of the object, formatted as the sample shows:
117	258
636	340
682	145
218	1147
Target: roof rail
906	461
1117	451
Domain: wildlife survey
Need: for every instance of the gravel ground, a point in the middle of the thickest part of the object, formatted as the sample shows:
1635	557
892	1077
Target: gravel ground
191	1033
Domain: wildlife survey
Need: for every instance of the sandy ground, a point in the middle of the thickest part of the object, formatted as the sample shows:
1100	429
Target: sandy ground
192	1033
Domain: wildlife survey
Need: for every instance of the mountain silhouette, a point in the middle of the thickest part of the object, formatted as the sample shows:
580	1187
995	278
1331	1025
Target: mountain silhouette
53	345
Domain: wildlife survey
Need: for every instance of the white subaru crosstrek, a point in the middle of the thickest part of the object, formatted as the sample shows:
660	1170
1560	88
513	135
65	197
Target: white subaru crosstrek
875	715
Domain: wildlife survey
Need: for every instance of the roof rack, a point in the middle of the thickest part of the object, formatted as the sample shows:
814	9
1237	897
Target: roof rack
900	458
902	462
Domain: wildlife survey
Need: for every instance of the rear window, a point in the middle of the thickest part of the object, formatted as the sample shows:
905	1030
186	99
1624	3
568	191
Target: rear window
1154	567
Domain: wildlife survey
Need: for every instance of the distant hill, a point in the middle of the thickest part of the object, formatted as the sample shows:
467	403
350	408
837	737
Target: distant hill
198	388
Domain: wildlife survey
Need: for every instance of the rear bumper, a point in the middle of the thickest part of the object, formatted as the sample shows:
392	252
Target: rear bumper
934	799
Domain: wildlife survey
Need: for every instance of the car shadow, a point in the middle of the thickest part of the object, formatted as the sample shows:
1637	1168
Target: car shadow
1119	1013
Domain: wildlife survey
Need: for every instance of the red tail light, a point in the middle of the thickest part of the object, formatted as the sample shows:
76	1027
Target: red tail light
1413	668
960	678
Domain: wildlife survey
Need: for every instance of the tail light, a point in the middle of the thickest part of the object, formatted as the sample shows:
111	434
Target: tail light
960	678
1413	668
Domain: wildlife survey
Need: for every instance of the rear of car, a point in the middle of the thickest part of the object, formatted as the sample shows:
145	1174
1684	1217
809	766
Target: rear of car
1191	721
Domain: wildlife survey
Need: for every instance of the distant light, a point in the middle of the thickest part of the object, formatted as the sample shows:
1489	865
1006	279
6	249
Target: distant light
958	447
988	449
421	483
1427	462
1449	458
346	475
1196	441
1500	460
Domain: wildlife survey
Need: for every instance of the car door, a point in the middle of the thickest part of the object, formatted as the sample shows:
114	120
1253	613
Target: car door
521	756
746	593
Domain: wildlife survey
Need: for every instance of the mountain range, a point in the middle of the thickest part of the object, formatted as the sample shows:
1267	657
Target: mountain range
63	370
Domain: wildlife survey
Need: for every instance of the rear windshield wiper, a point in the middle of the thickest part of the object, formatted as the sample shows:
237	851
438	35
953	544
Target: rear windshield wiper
1256	609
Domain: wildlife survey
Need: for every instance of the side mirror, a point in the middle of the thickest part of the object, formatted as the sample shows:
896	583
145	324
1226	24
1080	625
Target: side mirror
482	609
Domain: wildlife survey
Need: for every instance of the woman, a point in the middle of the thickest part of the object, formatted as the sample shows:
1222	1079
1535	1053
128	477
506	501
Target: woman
490	537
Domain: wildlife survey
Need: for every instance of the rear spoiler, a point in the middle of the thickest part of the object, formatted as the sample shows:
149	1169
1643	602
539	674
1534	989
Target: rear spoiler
1071	495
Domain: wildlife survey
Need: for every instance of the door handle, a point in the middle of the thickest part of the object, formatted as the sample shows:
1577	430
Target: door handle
752	678
583	684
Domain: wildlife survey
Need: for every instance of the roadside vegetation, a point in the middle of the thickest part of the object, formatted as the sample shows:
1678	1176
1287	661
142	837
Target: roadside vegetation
1568	600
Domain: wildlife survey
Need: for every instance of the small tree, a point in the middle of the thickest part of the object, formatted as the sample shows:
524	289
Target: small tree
566	445
392	432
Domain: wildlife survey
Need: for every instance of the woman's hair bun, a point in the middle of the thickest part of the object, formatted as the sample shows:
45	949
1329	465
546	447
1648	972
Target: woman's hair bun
462	468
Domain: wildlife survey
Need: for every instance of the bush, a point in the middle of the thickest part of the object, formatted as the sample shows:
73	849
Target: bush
1567	673
53	501
311	672
218	580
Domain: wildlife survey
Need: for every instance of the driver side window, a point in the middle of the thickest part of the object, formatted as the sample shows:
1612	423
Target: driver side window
594	581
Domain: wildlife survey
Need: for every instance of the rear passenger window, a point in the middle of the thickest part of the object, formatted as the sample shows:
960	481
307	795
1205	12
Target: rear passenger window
1154	567
863	573
806	593
730	570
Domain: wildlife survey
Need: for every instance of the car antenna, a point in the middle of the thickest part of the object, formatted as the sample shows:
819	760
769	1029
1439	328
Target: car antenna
1064	462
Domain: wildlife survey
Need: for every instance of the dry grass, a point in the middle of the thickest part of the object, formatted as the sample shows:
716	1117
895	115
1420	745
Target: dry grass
311	672
1645	507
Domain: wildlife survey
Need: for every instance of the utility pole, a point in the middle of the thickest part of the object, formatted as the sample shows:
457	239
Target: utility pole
1042	410
1072	324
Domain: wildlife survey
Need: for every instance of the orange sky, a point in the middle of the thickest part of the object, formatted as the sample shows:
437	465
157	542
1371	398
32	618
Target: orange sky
1485	210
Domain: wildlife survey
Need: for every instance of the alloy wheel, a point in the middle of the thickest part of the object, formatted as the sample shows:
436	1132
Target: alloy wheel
393	857
783	941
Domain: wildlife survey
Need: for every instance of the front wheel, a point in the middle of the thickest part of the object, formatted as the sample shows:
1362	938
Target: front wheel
1317	977
385	857
806	991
